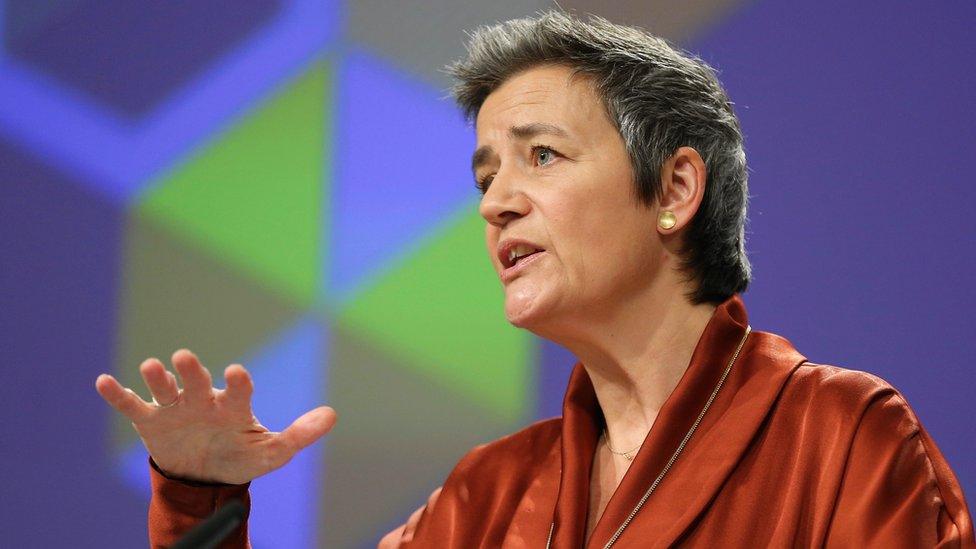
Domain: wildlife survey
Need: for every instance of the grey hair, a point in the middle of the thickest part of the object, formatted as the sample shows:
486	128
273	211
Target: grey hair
660	98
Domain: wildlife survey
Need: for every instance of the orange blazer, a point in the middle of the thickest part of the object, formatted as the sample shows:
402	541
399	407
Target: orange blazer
788	454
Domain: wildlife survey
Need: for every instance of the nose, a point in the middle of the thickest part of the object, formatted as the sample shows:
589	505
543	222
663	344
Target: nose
504	201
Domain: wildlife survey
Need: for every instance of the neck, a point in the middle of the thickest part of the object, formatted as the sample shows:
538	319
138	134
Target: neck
635	354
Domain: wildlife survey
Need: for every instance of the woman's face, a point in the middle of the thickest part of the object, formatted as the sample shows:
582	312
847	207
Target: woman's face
565	231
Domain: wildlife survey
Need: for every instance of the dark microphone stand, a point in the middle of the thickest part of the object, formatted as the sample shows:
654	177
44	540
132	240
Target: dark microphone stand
209	533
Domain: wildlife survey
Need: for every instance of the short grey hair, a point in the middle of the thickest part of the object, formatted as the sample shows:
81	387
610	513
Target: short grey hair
660	98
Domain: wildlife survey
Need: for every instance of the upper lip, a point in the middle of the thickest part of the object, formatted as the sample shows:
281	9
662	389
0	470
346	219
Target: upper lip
506	246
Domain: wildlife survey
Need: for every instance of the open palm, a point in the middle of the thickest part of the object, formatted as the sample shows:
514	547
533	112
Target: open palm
205	434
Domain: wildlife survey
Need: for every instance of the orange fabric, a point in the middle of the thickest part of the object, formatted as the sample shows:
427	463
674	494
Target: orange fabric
790	454
177	506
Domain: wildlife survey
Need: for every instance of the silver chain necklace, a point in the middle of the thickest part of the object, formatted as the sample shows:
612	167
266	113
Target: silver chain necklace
674	456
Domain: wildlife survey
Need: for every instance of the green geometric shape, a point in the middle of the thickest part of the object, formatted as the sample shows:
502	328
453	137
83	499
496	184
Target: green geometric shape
441	311
174	295
255	195
397	439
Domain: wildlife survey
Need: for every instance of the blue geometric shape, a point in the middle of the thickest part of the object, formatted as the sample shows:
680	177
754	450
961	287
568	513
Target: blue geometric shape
133	464
401	157
289	379
118	157
554	366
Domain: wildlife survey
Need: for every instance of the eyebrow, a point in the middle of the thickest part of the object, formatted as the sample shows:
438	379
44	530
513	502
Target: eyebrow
523	132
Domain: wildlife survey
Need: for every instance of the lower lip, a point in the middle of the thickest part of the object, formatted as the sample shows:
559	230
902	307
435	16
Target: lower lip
510	273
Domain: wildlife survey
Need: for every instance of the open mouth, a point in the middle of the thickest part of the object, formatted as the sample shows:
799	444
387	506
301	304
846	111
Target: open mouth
513	253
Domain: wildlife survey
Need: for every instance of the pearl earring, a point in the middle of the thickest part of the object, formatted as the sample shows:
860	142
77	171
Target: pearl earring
667	220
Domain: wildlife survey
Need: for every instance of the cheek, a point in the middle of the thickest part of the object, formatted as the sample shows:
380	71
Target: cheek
597	230
638	254
613	252
582	258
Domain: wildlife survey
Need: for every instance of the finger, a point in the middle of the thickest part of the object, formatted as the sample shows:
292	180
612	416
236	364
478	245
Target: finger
307	429
240	387
197	383
392	540
162	384
122	399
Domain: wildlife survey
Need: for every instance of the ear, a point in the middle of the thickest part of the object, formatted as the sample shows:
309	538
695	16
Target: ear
683	179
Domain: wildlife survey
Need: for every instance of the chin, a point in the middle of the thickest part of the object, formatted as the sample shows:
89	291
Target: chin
519	320
525	311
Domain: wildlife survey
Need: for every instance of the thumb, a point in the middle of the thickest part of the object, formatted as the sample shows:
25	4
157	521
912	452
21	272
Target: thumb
308	428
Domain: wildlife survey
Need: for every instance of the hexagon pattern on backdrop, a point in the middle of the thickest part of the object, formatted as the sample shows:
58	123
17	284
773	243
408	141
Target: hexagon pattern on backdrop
290	189
227	251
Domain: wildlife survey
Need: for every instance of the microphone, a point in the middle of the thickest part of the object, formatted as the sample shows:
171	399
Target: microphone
209	533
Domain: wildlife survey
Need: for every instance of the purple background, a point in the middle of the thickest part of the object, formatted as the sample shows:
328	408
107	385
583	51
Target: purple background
859	121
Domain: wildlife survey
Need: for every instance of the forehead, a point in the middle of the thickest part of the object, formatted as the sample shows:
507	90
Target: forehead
544	94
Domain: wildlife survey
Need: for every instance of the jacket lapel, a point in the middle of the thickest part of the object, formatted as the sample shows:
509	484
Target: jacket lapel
582	423
748	393
719	443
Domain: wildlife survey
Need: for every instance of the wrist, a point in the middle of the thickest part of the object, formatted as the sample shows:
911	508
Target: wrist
189	481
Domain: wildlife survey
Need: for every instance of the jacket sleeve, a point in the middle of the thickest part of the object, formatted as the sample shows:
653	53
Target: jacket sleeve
179	505
897	489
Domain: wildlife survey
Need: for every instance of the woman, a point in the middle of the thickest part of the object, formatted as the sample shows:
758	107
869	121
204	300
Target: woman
614	184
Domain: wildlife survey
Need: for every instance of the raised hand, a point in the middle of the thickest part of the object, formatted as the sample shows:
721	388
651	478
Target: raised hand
206	434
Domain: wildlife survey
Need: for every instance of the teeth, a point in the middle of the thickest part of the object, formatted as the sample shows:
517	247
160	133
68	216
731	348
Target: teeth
518	251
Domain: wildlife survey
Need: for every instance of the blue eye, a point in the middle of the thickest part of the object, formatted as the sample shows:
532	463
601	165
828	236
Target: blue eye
544	155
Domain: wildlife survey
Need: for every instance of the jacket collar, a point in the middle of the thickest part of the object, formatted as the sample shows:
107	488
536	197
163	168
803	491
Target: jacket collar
764	364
